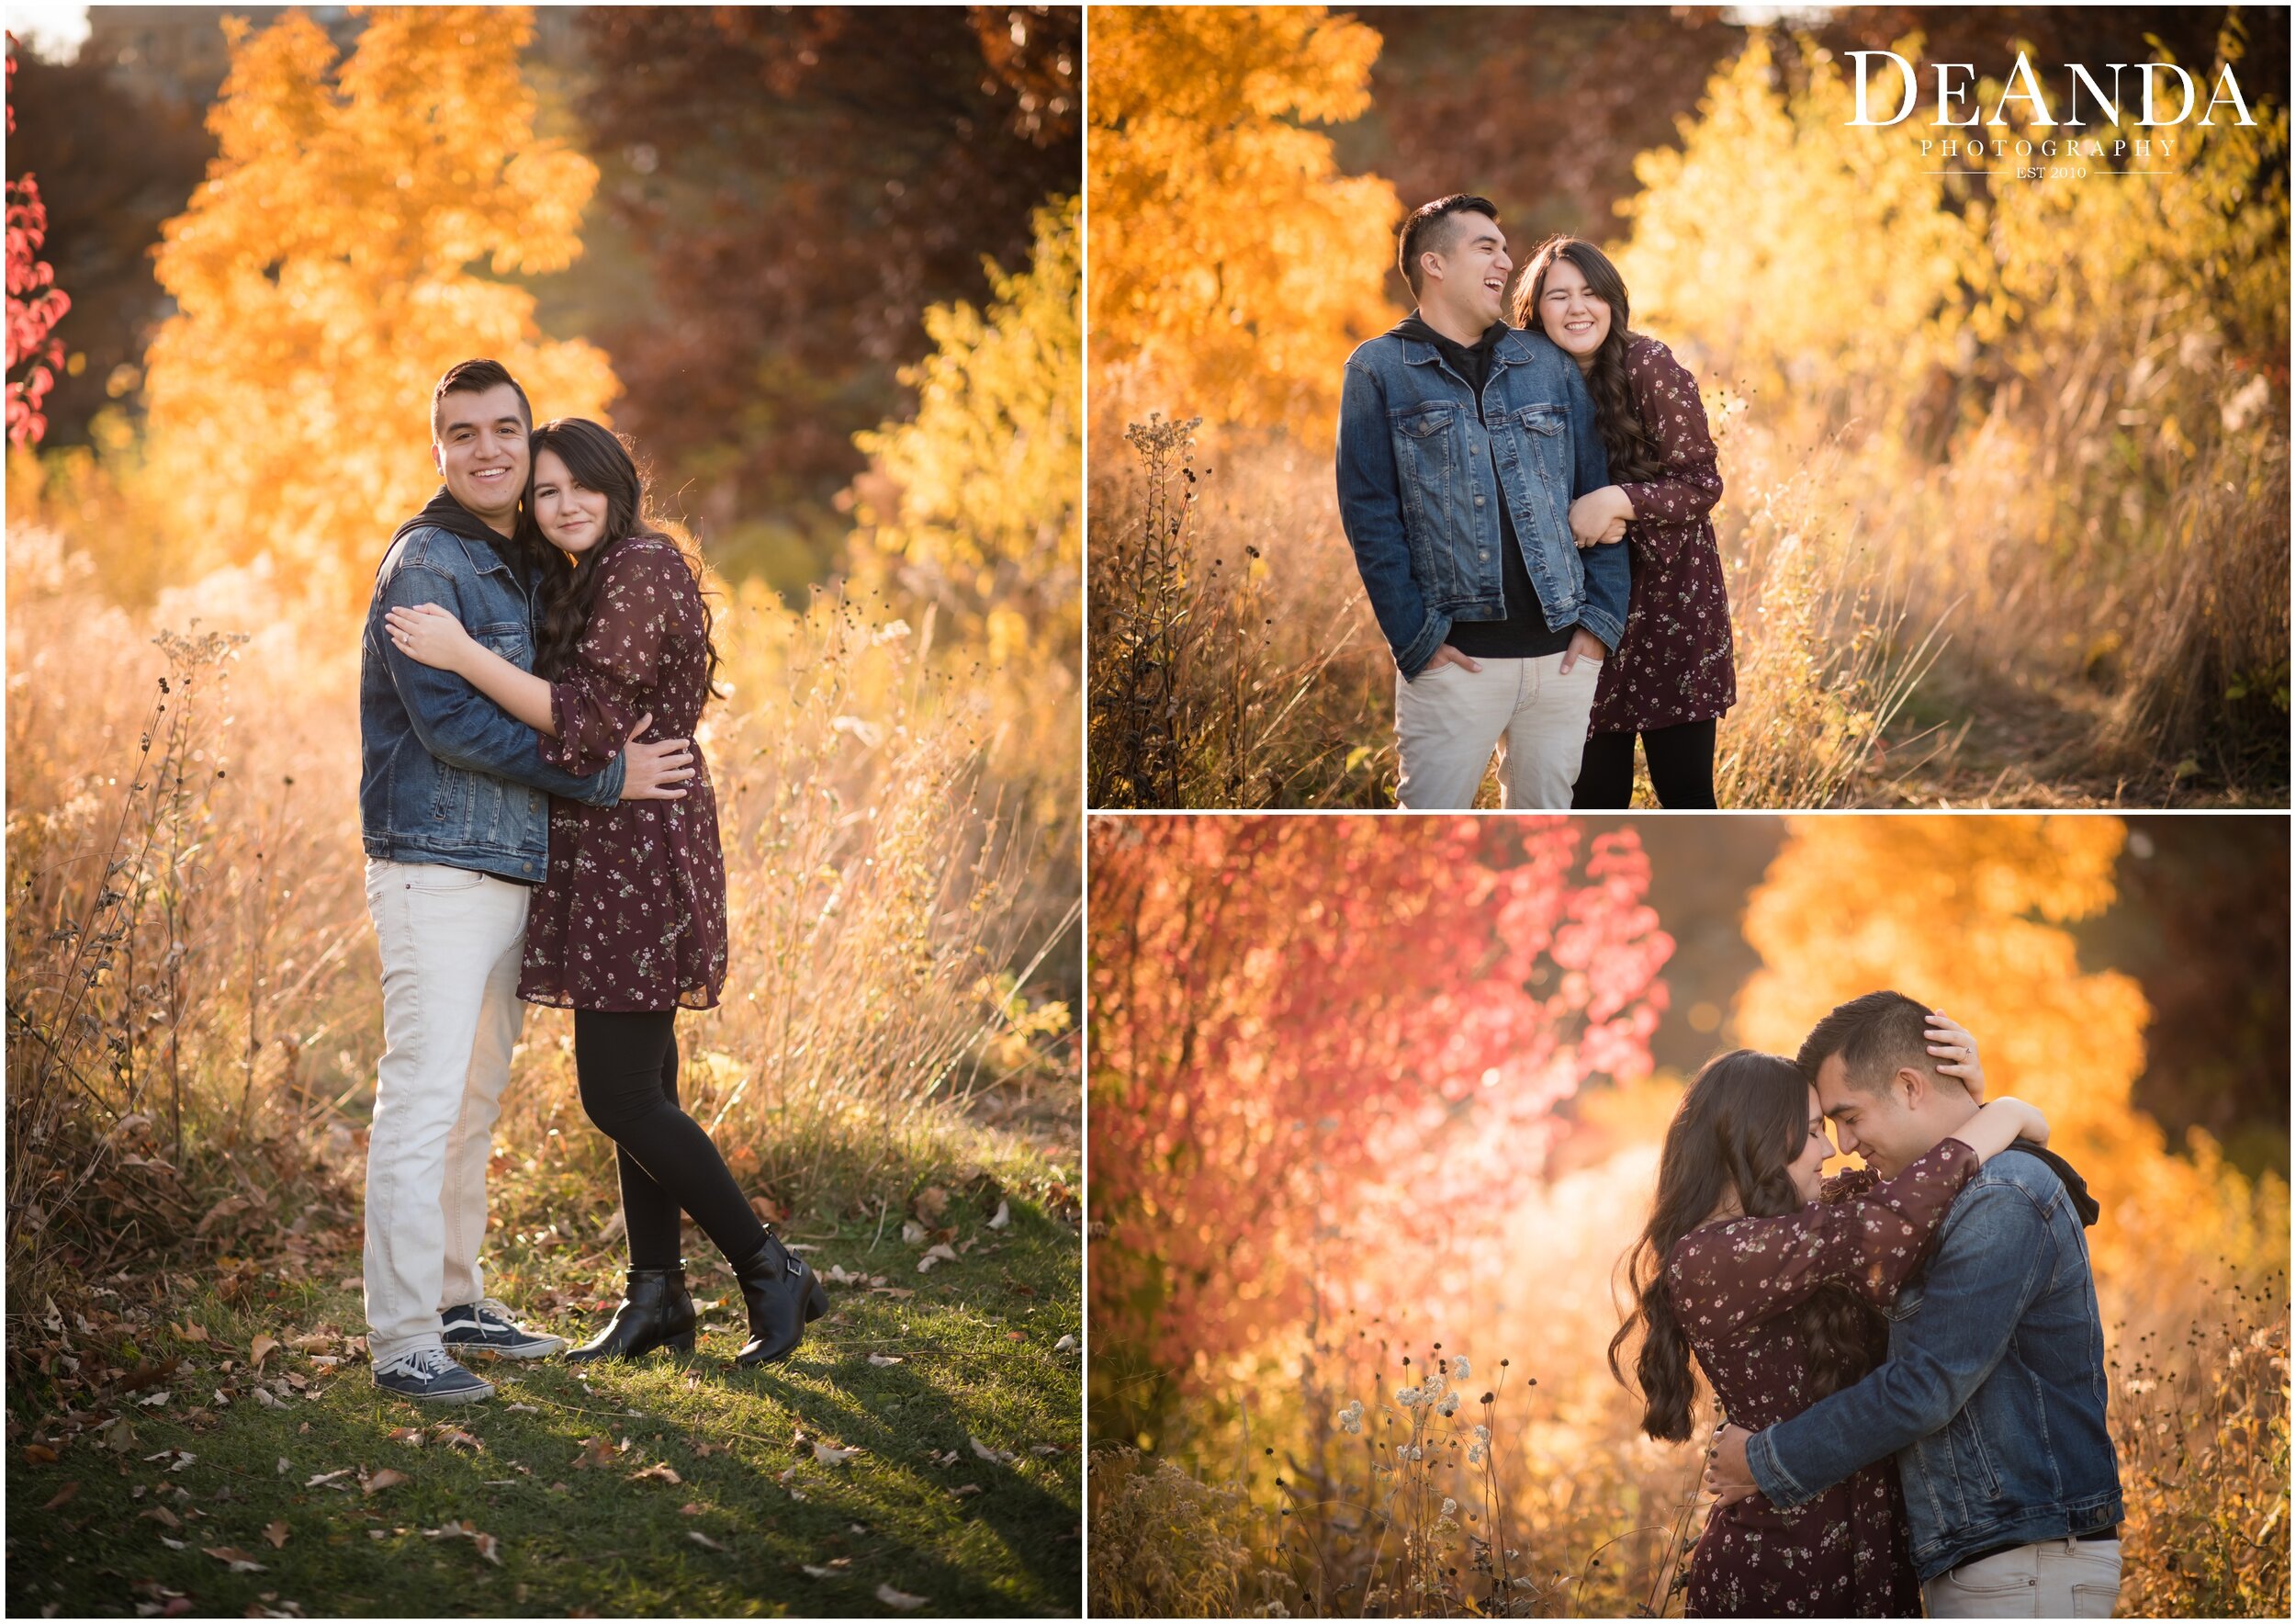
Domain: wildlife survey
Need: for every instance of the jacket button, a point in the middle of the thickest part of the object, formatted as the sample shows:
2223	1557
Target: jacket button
1484	554
1479	502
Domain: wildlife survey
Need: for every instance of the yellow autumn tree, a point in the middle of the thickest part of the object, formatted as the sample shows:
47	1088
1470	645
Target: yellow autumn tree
1234	266
341	253
984	520
1969	915
1808	260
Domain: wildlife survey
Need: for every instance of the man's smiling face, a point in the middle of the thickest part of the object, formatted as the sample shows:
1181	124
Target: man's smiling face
482	451
1475	267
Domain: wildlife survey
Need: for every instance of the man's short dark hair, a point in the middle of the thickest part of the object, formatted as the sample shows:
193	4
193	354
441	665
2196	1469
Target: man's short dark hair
1874	1035
1431	228
475	378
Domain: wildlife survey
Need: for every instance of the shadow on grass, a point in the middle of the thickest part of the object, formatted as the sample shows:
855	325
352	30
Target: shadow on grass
582	1526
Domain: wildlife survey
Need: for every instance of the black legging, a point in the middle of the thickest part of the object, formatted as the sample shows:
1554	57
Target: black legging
627	1063
1681	768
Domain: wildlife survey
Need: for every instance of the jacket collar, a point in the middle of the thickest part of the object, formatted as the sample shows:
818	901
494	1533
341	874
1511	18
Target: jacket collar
1511	350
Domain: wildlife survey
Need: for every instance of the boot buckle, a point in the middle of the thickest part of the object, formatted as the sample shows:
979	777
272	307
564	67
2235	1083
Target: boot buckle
794	1266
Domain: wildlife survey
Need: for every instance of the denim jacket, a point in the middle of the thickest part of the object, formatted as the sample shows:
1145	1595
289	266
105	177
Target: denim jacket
1993	1397
446	775
1415	466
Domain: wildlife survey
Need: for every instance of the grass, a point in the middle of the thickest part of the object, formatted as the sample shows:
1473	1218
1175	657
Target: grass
759	1518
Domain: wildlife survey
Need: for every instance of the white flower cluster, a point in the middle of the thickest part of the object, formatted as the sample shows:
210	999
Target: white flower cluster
1350	1417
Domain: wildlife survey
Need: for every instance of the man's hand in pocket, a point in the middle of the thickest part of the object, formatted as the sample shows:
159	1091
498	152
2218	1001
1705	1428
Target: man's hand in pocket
1585	645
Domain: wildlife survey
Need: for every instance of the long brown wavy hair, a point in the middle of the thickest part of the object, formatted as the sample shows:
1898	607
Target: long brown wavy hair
1633	452
1739	1130
597	459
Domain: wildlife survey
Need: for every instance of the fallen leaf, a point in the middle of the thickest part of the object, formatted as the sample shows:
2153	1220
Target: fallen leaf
899	1599
190	1333
162	1516
1065	1345
277	1534
703	1540
314	1342
62	1495
152	1401
521	1410
264	1396
884	1358
387	1478
912	1233
662	1473
690	1508
1003	1217
173	1544
238	1561
261	1347
489	1547
326	1477
998	1457
283	1467
941	1252
962	1490
812	1572
929	1203
830	1456
596	1451
38	1455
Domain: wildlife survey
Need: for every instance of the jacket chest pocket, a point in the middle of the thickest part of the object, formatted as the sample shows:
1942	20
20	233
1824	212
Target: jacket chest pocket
508	639
1539	431
1907	1302
1427	437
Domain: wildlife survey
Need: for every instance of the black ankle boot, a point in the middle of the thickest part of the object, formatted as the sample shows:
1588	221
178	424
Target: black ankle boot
784	1296
657	1312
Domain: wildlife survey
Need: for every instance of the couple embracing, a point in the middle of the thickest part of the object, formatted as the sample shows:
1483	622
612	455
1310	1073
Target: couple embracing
1525	485
539	826
1908	1357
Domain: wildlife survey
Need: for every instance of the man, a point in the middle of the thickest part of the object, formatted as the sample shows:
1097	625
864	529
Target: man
454	813
1462	444
1993	1397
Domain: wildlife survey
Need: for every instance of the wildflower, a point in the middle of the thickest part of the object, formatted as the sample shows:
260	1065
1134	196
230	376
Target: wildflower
1449	1406
1408	1397
1460	1369
1482	1435
1475	1453
1350	1418
1449	1506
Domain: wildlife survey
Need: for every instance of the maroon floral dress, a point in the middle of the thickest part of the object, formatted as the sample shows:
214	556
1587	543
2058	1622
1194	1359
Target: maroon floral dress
1673	663
1844	1555
633	913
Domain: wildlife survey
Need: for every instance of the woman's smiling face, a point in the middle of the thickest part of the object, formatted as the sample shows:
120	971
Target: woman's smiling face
1568	311
1806	1169
572	516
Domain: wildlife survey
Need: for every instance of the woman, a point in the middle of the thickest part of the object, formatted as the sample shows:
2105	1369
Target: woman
1775	1279
1670	678
629	926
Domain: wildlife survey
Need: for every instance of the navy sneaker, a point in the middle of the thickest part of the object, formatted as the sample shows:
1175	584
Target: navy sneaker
488	1326
429	1375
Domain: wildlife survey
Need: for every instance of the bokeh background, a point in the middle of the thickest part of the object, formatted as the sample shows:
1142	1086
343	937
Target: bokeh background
1369	1094
824	266
2005	517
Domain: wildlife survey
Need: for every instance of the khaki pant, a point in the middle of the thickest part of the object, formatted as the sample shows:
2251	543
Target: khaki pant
1448	720
2055	1579
450	940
